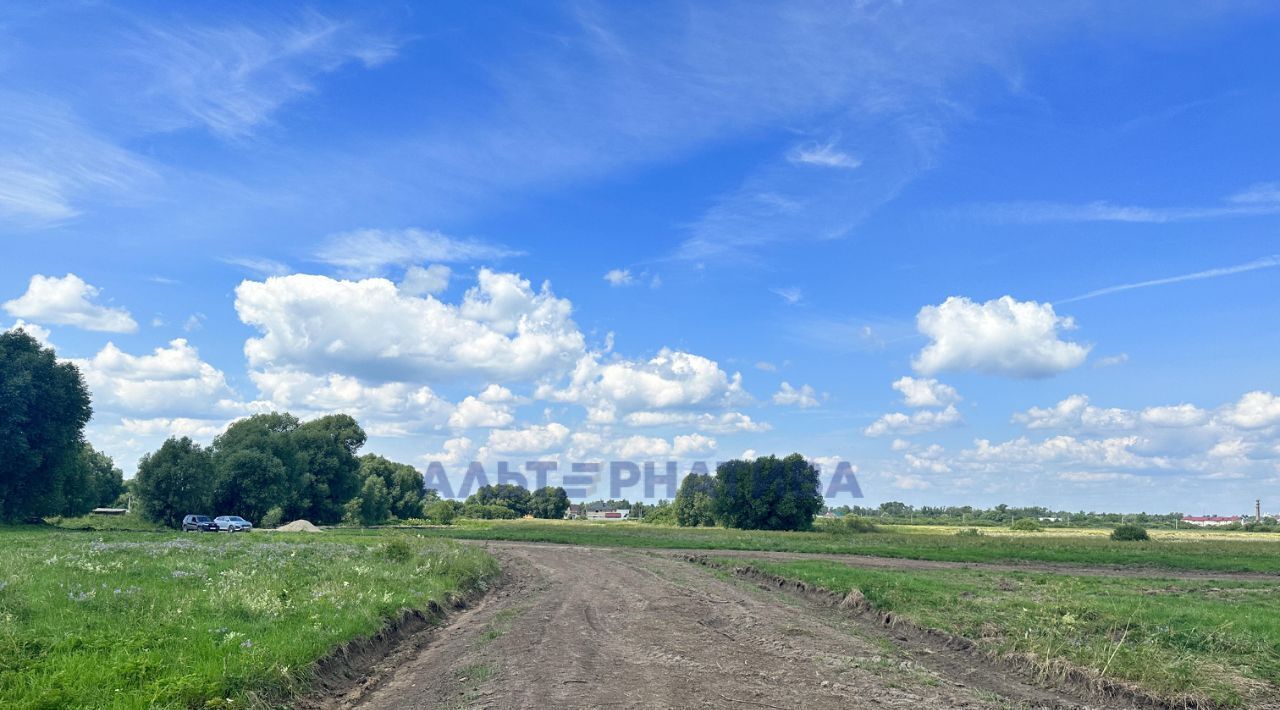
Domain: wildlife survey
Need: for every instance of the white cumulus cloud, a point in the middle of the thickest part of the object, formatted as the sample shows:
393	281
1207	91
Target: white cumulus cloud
1075	412
169	380
1002	336
803	397
419	281
535	439
670	380
918	422
386	409
491	408
1255	410
41	334
68	300
619	277
925	392
1177	415
725	423
502	329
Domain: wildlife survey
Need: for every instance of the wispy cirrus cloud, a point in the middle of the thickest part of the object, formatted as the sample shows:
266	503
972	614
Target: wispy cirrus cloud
52	162
1257	200
1266	262
790	295
369	251
259	266
824	155
231	78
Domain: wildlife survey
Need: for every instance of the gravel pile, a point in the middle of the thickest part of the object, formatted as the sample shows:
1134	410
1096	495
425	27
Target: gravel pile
298	526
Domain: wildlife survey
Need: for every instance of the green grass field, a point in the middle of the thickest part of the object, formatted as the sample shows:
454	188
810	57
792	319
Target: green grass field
1219	552
134	620
1181	640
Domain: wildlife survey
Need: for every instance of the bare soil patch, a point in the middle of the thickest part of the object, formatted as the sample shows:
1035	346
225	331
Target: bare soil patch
581	627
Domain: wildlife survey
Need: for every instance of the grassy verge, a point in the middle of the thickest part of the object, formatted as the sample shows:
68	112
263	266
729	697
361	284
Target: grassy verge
130	522
123	620
1204	641
1218	553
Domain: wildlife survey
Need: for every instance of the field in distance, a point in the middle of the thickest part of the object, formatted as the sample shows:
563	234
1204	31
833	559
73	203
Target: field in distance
1175	550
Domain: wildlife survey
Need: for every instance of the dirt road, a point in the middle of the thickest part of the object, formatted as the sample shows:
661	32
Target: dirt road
576	627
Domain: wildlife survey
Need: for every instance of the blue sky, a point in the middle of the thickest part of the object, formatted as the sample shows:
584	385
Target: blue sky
1018	253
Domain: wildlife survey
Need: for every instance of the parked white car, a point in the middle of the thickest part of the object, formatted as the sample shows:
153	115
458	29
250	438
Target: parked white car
232	523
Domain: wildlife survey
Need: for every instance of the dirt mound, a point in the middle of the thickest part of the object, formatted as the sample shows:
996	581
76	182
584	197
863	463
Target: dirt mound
298	526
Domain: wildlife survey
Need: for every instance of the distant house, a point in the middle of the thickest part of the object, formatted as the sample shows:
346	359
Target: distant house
1211	521
574	512
608	514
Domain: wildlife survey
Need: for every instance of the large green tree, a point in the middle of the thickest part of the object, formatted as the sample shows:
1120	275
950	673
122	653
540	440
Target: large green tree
44	406
372	506
768	493
403	483
326	449
506	494
549	503
696	501
92	481
175	481
259	467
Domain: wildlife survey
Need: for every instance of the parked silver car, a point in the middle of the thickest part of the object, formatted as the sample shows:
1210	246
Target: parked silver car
232	523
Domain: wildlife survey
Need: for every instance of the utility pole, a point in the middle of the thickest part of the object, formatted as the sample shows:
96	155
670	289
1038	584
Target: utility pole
1257	509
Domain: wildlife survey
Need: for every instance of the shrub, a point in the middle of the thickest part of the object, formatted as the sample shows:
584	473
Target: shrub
273	518
848	525
1129	533
442	512
1027	525
661	514
397	550
969	532
488	512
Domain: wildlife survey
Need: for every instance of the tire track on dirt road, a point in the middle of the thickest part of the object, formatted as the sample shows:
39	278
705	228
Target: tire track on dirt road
578	627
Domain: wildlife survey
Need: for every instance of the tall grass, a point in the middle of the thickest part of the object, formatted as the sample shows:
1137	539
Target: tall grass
126	620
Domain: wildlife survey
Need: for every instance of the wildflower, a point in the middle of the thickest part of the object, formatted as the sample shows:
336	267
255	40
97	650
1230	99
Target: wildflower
246	644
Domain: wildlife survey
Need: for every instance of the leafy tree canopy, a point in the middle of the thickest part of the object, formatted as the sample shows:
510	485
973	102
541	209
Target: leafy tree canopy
403	483
510	495
696	501
768	493
92	481
175	481
44	406
549	503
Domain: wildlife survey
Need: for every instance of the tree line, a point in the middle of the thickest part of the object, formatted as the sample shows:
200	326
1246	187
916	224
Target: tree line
268	468
898	512
274	467
46	466
769	493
